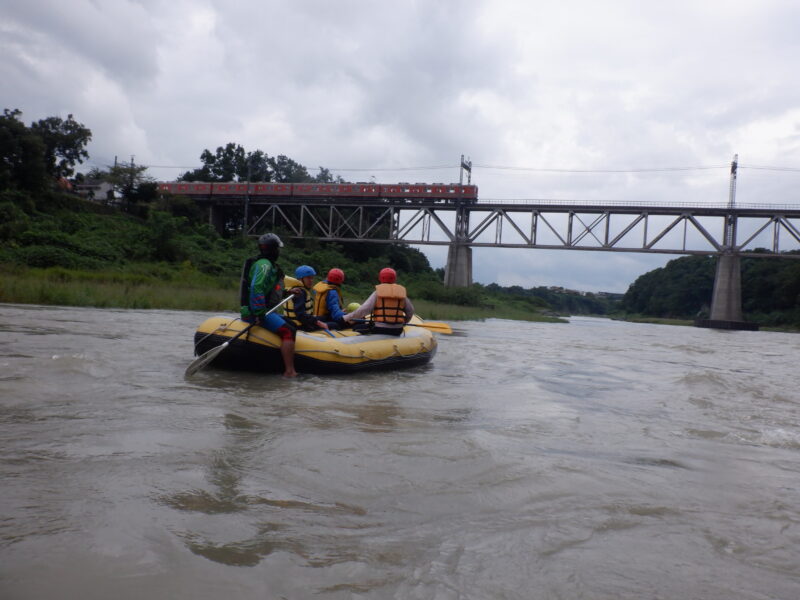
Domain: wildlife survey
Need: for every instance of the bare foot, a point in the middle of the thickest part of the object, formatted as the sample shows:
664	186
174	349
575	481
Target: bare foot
289	374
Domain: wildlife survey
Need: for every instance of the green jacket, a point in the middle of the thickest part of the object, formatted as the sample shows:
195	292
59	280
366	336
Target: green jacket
264	287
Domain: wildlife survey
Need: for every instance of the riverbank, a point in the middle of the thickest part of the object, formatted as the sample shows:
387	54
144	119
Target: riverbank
690	323
653	320
151	287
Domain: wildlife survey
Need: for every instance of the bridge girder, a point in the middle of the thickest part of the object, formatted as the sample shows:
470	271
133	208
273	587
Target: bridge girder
648	229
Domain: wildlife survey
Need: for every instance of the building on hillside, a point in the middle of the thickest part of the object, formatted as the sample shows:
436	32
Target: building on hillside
97	191
610	295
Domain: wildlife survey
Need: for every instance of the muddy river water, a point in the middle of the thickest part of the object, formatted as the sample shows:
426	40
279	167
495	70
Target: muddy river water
595	459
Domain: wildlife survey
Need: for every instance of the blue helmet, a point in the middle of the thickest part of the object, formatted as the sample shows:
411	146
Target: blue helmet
304	271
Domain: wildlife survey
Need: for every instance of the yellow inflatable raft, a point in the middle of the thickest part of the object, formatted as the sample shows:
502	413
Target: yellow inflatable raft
315	352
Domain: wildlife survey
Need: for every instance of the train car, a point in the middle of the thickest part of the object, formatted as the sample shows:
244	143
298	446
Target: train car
335	190
230	189
271	189
186	188
393	191
436	191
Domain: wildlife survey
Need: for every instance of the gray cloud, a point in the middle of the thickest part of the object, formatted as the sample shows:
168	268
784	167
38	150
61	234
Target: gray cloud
582	85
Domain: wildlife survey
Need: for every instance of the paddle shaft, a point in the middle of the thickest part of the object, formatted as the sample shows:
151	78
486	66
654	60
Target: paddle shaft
432	325
209	356
271	310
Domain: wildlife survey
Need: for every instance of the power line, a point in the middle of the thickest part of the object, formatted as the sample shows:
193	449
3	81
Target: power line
525	169
646	170
763	168
377	169
173	167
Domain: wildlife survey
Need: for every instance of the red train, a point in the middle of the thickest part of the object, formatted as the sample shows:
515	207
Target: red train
429	191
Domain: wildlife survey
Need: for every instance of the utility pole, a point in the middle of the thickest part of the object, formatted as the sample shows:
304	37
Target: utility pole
247	195
732	191
130	185
466	165
731	201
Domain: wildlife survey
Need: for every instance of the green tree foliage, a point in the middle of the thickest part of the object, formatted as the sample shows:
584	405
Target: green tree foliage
233	163
130	181
680	289
22	155
560	301
325	176
684	286
65	144
257	167
13	219
284	169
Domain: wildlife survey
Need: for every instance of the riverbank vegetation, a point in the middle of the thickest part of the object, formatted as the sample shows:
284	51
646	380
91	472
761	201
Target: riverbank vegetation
134	248
682	289
138	249
60	249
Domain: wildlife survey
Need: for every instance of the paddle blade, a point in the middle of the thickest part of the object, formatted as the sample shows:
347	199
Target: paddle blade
204	359
436	326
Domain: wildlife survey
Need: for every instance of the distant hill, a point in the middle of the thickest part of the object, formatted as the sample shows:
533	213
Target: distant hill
683	289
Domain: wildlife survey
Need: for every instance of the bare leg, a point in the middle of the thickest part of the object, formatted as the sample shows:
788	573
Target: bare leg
287	352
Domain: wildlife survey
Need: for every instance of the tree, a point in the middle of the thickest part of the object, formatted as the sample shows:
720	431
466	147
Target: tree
286	170
230	163
325	176
257	165
22	163
129	180
233	163
65	144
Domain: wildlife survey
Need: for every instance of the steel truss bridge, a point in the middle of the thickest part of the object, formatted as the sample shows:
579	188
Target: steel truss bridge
615	227
724	230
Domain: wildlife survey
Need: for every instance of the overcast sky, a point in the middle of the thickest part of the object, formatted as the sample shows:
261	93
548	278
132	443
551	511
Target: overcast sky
519	86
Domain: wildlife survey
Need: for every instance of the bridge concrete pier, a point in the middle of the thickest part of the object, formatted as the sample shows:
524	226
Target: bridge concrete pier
726	300
216	218
458	271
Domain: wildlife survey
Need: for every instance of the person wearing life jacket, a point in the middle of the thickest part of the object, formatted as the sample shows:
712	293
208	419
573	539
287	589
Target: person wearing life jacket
300	309
328	301
389	306
261	289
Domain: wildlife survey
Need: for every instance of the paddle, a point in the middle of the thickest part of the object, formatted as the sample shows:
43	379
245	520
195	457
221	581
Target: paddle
436	326
207	357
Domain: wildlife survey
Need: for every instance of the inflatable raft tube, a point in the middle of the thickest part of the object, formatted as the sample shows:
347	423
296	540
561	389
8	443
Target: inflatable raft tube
258	350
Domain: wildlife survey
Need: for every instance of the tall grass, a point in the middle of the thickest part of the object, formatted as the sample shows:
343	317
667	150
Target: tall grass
451	312
113	290
152	286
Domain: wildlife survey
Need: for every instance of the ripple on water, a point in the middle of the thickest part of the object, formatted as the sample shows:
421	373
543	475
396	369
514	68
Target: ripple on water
595	459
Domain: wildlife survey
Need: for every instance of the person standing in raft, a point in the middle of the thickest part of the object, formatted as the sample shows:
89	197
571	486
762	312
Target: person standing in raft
389	306
262	288
328	302
300	309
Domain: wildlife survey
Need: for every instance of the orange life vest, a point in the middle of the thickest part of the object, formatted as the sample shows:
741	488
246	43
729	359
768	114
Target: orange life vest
390	304
320	305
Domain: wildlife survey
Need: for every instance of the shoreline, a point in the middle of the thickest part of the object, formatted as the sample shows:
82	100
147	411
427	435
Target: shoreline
129	291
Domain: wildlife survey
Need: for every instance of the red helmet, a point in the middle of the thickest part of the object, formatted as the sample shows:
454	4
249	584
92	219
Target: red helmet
387	275
335	276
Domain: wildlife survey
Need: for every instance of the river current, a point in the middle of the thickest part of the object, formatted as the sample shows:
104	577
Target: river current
594	459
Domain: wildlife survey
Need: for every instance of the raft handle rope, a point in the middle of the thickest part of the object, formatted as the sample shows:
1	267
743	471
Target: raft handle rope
220	329
335	352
